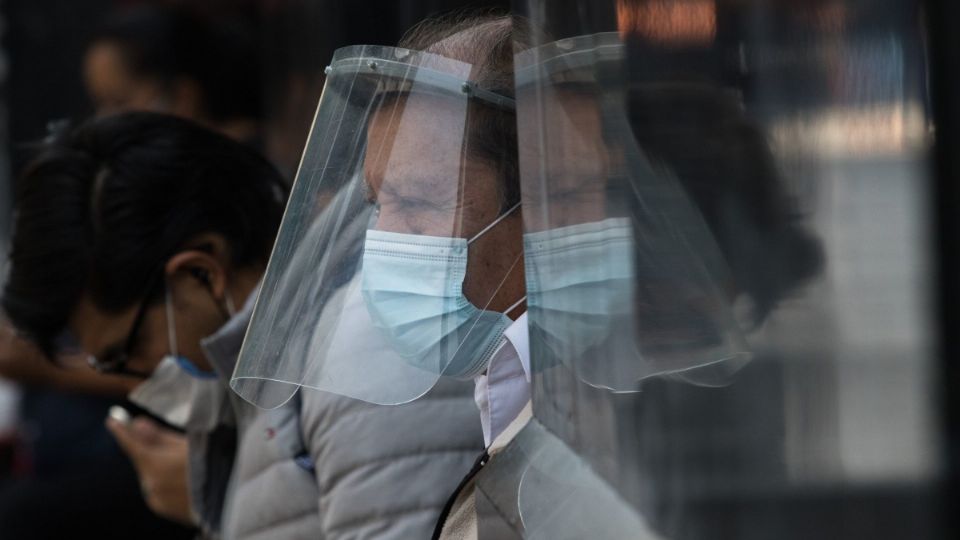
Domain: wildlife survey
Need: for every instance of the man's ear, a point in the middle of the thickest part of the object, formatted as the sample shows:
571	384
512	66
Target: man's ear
200	266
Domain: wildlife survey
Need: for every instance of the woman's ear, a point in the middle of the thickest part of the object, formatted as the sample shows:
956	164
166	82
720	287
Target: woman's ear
200	266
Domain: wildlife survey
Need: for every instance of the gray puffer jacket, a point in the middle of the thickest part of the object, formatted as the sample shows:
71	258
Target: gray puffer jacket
325	466
248	476
385	472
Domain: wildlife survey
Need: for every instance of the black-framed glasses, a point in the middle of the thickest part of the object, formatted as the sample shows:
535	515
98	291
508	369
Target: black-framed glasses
115	362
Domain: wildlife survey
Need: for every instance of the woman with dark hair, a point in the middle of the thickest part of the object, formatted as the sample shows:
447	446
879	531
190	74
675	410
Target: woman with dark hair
138	240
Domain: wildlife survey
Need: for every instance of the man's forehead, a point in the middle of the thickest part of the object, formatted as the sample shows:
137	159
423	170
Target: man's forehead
414	119
416	138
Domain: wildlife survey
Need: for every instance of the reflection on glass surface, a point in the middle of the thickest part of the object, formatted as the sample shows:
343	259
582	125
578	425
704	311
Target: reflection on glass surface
751	178
625	282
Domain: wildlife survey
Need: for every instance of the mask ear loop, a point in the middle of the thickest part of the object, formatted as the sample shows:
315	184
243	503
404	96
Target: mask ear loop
515	305
494	224
504	280
184	363
171	323
228	300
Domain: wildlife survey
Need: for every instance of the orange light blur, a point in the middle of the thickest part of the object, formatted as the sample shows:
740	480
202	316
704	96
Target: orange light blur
688	22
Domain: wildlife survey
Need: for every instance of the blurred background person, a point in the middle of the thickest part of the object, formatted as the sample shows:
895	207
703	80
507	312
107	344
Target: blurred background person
171	60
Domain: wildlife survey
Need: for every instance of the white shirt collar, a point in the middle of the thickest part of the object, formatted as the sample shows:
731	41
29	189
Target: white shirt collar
504	389
518	334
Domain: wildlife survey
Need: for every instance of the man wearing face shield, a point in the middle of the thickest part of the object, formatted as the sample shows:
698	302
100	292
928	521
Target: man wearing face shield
418	146
409	282
139	239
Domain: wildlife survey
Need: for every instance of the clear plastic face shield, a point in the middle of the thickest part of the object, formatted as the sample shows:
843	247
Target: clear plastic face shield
393	264
624	278
761	135
625	283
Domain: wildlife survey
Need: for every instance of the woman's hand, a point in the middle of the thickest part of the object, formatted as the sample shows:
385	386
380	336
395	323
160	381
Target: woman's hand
160	457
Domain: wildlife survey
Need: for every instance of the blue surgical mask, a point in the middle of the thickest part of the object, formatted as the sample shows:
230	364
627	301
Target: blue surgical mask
580	281
181	394
585	311
413	289
179	391
183	362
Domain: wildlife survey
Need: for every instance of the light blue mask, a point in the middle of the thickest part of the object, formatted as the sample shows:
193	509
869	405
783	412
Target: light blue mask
412	286
580	281
183	362
178	390
585	312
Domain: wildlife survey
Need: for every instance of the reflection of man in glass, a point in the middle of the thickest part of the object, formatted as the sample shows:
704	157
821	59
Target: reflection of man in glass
617	260
567	160
577	247
724	165
703	447
639	238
